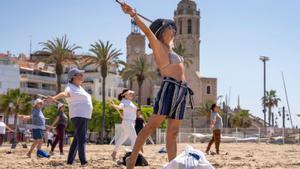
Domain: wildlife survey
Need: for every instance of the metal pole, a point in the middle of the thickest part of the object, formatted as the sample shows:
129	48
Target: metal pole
283	123
265	112
287	100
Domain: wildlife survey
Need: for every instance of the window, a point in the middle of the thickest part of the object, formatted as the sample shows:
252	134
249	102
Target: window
109	92
208	90
115	93
180	27
197	29
189	26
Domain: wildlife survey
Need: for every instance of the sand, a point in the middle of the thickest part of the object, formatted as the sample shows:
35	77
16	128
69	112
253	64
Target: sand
233	156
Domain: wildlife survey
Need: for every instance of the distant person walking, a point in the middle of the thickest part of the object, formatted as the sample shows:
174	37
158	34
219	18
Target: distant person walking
216	125
61	121
3	128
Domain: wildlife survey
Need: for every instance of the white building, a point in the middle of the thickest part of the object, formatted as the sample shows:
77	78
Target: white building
37	79
9	75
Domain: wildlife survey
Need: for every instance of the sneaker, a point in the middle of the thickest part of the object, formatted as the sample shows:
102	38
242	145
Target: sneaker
85	164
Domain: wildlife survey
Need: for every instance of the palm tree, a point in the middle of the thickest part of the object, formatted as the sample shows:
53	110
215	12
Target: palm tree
104	57
179	49
270	100
139	70
240	119
60	51
15	102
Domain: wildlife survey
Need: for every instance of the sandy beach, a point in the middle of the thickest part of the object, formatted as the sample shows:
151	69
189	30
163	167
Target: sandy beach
233	156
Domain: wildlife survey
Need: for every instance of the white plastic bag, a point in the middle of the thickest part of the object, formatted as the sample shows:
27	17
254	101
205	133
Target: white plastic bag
190	158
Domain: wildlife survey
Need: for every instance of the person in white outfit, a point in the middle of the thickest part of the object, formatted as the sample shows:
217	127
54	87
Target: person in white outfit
128	120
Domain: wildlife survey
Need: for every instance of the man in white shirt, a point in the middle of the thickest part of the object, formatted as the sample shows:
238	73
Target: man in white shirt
3	128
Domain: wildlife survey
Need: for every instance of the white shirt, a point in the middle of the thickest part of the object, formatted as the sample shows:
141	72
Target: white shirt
129	110
2	127
80	102
50	135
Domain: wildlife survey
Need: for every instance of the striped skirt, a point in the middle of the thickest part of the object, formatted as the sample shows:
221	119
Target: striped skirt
171	98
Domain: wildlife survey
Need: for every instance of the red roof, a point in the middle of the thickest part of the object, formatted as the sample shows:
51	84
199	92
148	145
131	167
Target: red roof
4	56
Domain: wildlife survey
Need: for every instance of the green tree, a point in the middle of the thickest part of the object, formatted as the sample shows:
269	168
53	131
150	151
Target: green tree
139	70
59	51
240	119
270	101
18	103
104	56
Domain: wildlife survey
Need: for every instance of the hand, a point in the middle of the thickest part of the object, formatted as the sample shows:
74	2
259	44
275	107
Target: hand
128	9
49	99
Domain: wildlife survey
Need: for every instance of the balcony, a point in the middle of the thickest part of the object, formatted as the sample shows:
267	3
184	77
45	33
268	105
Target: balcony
37	78
35	91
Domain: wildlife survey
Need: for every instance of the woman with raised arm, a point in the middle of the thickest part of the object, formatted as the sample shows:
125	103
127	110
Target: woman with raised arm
171	98
128	120
80	111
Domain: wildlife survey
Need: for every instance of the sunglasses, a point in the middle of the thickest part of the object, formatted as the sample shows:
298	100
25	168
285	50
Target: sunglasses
172	26
78	74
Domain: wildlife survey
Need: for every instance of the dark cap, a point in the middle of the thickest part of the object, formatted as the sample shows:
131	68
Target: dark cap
74	71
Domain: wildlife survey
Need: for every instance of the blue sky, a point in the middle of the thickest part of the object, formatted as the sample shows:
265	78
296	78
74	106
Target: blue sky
234	34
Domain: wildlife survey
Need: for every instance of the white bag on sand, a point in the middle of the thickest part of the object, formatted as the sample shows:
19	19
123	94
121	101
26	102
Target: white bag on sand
190	158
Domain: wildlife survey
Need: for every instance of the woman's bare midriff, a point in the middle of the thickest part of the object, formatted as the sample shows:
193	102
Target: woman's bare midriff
175	71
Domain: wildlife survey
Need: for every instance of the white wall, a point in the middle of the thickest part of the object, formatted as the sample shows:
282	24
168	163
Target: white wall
9	77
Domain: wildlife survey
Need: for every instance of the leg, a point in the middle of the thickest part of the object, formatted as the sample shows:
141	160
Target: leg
40	142
154	122
119	141
172	132
209	144
74	147
217	136
33	145
132	134
1	139
54	143
82	131
122	138
73	150
61	134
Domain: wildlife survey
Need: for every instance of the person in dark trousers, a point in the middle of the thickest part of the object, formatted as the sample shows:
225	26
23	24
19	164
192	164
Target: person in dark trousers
62	122
139	123
80	111
216	125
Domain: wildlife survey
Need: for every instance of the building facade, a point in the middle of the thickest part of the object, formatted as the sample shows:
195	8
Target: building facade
9	74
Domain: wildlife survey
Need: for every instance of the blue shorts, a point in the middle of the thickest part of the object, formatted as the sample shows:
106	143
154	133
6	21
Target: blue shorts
37	134
171	98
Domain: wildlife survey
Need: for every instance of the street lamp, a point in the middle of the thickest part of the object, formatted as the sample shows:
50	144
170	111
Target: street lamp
264	59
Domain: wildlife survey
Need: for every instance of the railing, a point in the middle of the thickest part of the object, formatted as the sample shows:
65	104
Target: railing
38	78
38	91
193	135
